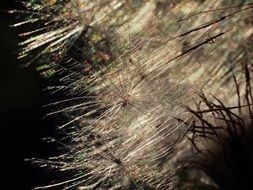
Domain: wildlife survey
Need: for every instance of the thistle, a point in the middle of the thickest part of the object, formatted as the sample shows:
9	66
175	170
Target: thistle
129	73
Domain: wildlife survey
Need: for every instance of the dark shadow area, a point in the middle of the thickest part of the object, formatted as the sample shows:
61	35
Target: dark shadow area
21	112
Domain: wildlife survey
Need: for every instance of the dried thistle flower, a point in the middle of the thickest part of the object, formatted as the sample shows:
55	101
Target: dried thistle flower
124	70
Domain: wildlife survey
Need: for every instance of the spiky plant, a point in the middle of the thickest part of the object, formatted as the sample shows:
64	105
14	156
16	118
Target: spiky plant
221	138
126	70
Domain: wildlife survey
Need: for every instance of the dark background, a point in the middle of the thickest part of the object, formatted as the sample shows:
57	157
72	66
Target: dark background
21	113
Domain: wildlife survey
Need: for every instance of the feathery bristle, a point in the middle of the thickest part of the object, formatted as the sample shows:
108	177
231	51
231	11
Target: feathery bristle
126	72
